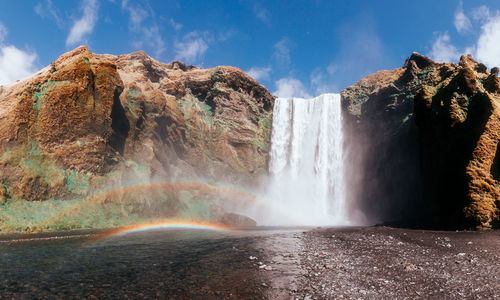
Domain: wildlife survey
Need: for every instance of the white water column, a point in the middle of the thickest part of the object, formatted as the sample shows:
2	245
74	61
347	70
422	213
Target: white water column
307	163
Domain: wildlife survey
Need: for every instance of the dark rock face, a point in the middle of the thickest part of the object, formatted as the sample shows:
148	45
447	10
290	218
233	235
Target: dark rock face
431	132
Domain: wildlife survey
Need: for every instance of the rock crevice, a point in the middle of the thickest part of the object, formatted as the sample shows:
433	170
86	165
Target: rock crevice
89	122
431	130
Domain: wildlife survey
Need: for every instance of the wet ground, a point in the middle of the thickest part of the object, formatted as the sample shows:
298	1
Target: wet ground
330	263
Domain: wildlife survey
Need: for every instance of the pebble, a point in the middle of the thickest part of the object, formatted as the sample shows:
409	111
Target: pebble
252	258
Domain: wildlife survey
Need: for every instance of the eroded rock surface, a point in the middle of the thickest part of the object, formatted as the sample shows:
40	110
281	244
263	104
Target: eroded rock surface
92	121
187	121
431	133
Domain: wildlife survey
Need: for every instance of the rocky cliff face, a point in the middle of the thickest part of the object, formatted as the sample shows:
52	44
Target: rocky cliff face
430	133
117	137
184	121
91	121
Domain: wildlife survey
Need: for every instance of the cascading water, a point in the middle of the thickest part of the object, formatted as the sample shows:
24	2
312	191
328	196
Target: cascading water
306	163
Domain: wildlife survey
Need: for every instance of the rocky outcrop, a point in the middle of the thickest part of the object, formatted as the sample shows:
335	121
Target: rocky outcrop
186	121
92	121
55	127
130	136
431	133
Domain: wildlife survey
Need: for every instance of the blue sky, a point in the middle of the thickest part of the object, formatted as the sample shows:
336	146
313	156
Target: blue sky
295	48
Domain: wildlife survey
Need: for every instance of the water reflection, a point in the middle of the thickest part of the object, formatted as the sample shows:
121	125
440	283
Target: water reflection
156	264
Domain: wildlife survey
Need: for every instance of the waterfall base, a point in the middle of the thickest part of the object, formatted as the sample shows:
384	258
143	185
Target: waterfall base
307	163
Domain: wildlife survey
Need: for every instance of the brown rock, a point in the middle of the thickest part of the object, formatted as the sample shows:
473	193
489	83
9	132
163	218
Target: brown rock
4	194
89	121
432	130
236	220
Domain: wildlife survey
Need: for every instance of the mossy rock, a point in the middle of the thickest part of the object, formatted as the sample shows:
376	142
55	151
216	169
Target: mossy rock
4	194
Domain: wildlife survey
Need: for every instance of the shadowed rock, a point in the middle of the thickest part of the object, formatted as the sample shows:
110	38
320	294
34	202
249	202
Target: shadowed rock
431	132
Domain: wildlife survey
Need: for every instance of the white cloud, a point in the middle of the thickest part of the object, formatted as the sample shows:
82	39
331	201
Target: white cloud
261	13
290	87
259	73
224	36
85	25
331	69
14	63
481	13
359	52
145	29
470	50
282	52
443	50
316	77
191	48
45	9
462	22
487	49
193	45
175	25
320	83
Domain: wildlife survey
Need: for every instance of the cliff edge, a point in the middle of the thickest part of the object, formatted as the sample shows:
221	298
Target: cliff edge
431	135
89	122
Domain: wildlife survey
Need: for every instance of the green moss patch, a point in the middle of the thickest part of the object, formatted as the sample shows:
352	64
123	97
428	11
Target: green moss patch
132	102
36	216
108	209
38	97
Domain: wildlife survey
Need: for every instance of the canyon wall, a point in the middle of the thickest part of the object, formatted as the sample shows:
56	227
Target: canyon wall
423	143
89	121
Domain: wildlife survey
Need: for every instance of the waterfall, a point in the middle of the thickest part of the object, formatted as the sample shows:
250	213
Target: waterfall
306	163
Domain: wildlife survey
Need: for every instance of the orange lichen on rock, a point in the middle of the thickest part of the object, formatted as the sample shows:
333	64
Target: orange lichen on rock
483	181
57	120
89	121
435	128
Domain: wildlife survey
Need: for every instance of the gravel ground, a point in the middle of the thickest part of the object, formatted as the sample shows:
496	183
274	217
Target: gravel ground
321	263
385	263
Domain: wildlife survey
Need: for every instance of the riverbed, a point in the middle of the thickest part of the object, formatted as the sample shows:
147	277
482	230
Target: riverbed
258	263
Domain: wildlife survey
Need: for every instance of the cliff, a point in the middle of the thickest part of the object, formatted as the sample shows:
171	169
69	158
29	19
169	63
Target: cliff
429	134
89	122
101	141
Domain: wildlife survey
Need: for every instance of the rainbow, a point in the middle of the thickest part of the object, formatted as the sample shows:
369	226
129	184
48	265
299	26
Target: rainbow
175	186
165	225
